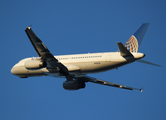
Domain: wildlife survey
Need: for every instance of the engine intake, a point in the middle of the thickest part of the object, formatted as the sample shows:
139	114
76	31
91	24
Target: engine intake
73	85
35	64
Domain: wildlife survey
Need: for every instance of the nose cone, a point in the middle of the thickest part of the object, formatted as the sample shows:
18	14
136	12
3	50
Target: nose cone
18	71
14	71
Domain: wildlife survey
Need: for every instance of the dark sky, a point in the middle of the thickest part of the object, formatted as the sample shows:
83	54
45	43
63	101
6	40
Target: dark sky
82	26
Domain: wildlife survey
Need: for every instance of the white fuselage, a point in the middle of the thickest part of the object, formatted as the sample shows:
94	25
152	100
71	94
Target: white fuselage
78	64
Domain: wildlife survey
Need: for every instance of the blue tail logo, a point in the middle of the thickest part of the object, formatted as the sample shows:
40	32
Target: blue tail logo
135	40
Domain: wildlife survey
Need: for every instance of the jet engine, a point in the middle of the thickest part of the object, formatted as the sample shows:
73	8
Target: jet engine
35	64
73	85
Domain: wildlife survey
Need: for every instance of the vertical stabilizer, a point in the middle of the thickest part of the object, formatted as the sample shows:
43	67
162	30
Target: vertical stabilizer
135	40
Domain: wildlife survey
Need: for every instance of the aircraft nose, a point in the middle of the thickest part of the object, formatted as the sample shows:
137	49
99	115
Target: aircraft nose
14	70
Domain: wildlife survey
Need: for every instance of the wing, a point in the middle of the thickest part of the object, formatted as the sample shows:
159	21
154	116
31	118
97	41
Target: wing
44	53
102	82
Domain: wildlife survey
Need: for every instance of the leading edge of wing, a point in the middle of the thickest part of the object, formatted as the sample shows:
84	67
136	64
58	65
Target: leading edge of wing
38	45
102	82
44	53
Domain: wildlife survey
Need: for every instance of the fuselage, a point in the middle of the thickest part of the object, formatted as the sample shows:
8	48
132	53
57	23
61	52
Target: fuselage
77	64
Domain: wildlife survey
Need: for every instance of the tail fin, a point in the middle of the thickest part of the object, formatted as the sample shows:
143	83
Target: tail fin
135	40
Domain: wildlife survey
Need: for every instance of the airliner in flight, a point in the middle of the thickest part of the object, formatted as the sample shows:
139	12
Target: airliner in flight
76	67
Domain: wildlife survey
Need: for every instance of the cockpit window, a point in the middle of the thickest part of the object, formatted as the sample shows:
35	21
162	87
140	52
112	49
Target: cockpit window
21	62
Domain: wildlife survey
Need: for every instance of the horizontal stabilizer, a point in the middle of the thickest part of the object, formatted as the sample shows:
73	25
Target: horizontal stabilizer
146	62
123	50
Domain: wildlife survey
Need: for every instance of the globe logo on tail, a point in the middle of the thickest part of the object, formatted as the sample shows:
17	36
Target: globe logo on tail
132	44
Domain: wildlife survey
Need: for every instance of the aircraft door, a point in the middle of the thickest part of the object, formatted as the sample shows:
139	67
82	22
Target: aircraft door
108	57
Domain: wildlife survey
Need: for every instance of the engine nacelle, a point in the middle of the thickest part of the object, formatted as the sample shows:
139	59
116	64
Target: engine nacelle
73	85
35	64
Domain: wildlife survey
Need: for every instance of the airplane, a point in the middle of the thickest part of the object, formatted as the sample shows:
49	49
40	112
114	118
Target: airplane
76	67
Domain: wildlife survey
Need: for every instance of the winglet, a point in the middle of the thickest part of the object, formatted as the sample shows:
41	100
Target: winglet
29	28
141	90
123	50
